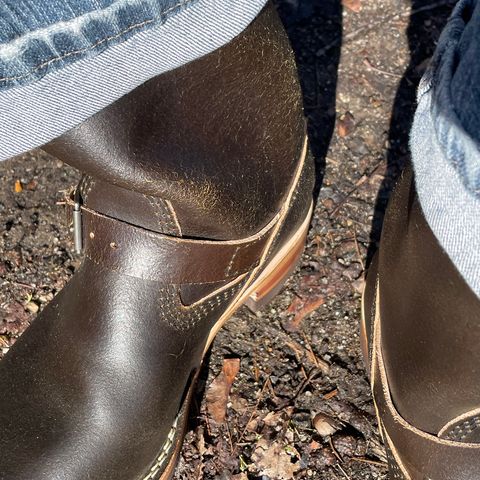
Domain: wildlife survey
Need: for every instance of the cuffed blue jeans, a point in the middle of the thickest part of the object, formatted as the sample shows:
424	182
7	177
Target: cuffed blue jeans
445	141
61	61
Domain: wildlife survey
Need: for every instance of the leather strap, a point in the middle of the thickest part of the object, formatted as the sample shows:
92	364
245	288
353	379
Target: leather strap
421	454
141	253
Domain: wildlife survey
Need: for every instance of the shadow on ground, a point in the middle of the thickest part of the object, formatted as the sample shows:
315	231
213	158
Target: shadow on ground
315	32
426	22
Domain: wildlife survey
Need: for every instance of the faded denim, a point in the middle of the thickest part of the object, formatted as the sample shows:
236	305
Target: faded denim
38	36
445	156
64	67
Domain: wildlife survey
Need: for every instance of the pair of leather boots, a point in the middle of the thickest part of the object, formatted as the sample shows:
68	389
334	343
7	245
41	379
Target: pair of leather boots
196	200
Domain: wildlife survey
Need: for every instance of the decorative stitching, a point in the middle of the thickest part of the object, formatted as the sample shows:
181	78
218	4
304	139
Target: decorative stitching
396	471
166	214
86	184
169	205
91	47
182	317
161	211
167	446
230	264
460	431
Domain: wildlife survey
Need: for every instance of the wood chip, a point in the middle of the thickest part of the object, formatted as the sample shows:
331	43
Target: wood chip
353	5
219	389
345	125
302	308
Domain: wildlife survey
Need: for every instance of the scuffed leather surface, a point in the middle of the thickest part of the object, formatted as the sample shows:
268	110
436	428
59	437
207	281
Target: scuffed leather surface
144	254
218	137
93	386
429	319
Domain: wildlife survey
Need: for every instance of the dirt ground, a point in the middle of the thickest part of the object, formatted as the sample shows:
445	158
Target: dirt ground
300	405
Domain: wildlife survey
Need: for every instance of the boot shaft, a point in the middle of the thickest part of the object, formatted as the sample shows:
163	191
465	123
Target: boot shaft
427	317
207	150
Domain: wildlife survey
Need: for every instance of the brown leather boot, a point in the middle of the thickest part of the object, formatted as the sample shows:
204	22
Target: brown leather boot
421	338
196	200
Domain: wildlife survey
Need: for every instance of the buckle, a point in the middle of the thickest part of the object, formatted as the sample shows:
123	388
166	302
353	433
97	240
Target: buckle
77	222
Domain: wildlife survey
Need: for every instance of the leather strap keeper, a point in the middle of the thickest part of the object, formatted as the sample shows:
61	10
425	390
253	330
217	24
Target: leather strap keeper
141	253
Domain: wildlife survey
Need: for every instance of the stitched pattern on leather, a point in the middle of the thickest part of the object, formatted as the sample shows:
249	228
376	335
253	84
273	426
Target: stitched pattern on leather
85	186
183	317
230	265
394	469
163	214
167	446
462	430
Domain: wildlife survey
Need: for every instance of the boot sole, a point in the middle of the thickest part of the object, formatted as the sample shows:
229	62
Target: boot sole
256	295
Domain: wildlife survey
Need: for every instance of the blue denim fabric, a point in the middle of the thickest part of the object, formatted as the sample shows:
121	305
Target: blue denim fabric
445	155
454	81
86	62
40	36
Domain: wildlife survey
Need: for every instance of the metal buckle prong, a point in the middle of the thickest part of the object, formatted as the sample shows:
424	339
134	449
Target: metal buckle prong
77	222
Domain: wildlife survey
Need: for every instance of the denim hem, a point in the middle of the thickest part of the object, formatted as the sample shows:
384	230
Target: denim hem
446	159
460	149
30	56
38	112
451	210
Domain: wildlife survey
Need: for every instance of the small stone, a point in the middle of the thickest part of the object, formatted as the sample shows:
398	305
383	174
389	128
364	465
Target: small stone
32	307
324	424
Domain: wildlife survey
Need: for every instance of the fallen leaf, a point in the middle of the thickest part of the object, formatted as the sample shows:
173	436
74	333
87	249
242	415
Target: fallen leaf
296	305
239	404
345	125
273	461
274	419
219	389
32	184
302	308
325	425
201	442
252	425
18	186
353	5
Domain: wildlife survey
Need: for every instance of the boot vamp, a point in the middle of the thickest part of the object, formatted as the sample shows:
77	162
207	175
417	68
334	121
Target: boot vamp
92	389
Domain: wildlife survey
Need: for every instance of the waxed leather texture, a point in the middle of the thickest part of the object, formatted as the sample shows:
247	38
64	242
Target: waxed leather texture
94	385
423	333
413	453
141	253
217	137
210	151
146	211
430	328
